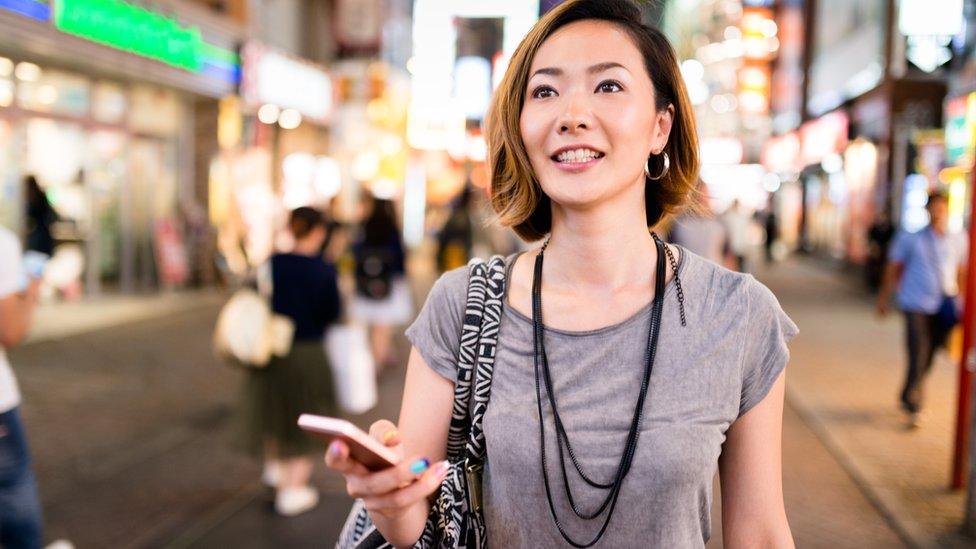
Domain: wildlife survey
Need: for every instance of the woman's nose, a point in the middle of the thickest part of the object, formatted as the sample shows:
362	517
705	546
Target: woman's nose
574	118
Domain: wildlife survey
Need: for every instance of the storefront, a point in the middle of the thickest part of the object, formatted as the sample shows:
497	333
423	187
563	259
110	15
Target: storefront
275	143
103	117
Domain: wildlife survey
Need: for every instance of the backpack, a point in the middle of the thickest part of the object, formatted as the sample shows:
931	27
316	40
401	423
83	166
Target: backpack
374	271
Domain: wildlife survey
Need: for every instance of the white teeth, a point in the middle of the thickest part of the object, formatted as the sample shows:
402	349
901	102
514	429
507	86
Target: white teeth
577	155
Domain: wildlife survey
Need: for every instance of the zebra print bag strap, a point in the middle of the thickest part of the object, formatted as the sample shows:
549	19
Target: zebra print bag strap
474	308
487	345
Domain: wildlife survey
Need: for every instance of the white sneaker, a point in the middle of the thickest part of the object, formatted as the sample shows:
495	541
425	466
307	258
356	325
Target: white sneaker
295	501
61	544
271	475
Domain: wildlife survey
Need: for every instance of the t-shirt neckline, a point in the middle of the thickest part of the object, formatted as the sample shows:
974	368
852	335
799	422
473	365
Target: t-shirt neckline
669	290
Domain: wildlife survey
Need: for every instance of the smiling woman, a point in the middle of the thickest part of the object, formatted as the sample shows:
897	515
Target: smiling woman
622	371
637	87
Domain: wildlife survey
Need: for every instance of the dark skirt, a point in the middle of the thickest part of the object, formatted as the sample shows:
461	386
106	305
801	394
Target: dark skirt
275	396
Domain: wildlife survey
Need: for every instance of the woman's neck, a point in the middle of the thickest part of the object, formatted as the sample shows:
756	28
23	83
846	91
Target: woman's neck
304	247
601	248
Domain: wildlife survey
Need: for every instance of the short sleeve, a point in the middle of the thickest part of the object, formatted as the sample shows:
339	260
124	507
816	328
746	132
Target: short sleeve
436	333
11	268
766	352
900	247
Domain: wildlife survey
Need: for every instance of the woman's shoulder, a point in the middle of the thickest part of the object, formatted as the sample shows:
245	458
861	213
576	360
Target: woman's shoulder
452	286
726	289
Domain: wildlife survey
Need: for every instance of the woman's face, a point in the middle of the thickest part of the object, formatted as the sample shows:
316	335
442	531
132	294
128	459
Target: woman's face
589	121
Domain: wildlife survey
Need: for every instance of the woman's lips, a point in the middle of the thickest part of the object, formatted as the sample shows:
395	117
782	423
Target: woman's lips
574	167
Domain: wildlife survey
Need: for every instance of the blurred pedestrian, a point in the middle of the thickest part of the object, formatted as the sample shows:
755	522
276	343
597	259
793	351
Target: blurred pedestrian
382	298
737	224
40	217
303	288
879	237
20	507
456	236
771	226
701	233
592	140
927	268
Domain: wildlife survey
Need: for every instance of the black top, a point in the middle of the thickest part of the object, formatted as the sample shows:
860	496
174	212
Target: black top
305	290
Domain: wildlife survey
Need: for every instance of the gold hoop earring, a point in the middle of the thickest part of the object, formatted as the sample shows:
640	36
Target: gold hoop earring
664	171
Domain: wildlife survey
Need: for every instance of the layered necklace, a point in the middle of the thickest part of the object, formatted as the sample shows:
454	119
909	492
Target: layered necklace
544	377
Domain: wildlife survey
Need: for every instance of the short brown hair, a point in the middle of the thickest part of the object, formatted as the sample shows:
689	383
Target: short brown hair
304	220
516	196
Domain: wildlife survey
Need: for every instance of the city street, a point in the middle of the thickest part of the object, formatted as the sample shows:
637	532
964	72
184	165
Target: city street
166	472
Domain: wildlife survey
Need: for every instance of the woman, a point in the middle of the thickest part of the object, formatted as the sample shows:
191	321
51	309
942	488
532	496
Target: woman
304	289
40	217
592	141
382	294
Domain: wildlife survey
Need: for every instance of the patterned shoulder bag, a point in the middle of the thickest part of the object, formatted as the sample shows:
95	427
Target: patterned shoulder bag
456	519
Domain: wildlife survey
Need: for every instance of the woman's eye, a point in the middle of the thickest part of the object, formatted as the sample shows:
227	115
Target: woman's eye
543	92
609	87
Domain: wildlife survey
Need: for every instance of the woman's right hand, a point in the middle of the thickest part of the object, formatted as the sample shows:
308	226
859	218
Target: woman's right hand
392	492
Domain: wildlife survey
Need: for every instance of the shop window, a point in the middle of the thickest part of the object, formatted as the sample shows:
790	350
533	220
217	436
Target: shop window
108	103
50	91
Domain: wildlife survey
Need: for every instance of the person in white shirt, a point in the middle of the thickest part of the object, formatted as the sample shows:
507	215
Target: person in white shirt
20	507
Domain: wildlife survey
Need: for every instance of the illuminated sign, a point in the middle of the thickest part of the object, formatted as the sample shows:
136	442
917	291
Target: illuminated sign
960	138
131	28
137	30
35	9
287	82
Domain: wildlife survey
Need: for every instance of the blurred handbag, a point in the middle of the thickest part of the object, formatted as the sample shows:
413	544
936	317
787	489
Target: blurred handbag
248	332
347	346
456	517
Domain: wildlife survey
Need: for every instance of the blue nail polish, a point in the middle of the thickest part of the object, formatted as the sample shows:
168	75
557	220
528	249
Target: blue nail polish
419	466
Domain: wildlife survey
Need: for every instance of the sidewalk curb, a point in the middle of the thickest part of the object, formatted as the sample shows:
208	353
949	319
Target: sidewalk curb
890	509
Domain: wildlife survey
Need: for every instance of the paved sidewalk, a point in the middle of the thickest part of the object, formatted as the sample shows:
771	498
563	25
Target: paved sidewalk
844	379
53	321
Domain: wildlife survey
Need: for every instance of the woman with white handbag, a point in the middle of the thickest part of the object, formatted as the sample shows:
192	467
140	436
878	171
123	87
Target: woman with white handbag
304	289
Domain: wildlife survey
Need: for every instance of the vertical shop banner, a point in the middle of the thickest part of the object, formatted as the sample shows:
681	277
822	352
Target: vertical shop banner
170	253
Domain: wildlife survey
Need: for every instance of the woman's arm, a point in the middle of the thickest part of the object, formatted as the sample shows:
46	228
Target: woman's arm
16	311
396	498
753	513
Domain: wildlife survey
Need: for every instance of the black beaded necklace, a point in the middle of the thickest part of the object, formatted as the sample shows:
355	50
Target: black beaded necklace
562	438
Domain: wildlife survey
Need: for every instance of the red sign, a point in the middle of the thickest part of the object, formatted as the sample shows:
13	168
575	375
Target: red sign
823	137
170	253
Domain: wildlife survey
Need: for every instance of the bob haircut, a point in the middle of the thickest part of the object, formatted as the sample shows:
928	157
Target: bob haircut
516	195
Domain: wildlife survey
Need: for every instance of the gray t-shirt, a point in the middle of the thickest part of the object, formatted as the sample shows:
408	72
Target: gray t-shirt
705	376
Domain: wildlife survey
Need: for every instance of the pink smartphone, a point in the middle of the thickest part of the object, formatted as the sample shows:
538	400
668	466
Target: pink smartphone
362	447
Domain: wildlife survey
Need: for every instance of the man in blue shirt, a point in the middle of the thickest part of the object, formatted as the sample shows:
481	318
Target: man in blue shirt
925	267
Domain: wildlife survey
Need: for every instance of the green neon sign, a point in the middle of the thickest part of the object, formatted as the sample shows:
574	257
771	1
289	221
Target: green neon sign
126	27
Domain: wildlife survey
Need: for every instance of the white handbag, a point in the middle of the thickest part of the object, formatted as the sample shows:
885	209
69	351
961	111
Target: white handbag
353	368
248	332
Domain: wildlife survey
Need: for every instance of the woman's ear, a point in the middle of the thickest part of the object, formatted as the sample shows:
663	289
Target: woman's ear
662	129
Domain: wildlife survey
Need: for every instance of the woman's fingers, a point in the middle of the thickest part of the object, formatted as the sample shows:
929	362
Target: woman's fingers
399	499
386	432
387	480
338	459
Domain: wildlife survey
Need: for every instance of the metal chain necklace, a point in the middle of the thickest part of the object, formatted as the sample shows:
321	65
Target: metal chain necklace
543	376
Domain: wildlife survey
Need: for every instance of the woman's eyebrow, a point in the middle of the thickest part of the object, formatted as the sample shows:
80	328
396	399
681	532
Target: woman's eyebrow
594	69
